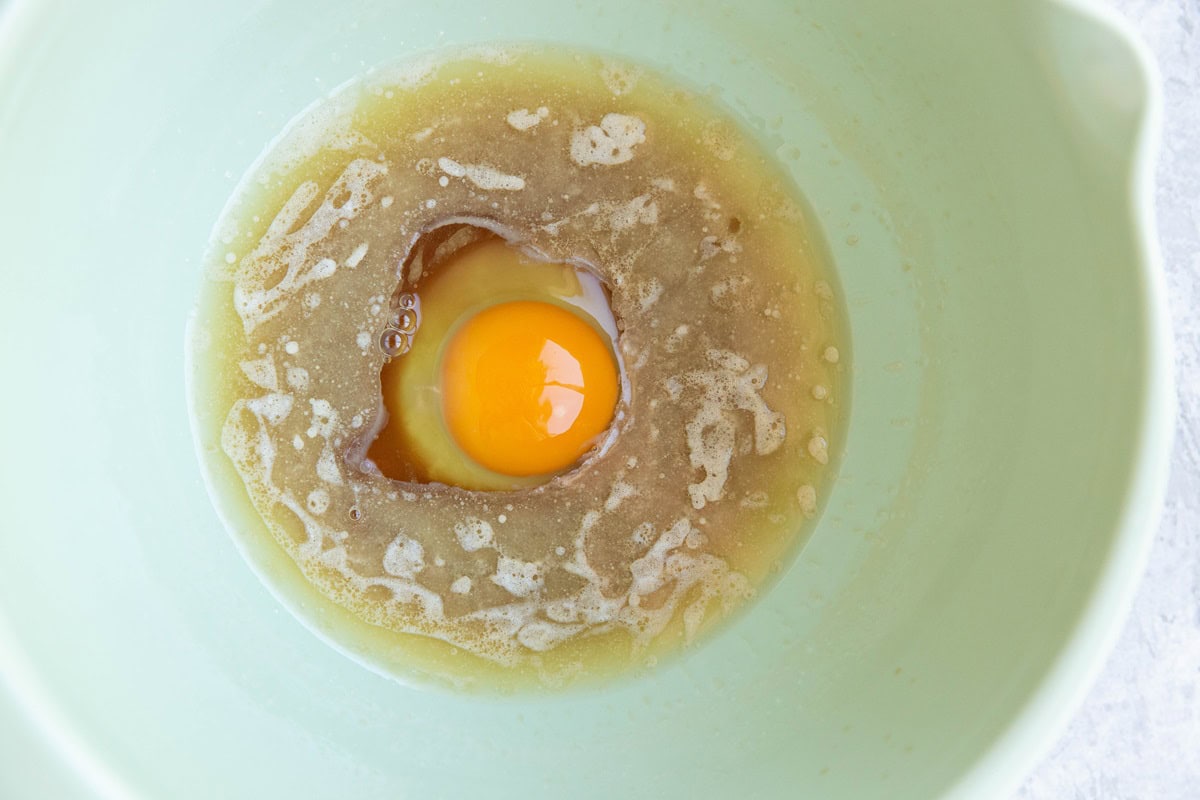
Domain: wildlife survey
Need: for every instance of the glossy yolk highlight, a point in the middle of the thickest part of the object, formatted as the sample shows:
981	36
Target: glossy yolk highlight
527	387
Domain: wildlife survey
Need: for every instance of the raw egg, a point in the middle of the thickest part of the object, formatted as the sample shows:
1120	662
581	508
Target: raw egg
527	387
507	373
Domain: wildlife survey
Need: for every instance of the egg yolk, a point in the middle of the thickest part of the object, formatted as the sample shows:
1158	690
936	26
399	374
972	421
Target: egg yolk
527	387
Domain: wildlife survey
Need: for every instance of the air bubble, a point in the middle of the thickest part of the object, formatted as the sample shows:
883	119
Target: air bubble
405	322
355	513
394	343
407	301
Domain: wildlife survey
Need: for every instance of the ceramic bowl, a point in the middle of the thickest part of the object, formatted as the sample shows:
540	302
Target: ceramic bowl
981	172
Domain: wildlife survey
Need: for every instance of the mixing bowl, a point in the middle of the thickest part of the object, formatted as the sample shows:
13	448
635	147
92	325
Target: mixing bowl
981	172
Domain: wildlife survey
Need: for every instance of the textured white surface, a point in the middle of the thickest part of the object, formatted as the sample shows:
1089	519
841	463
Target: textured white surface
1138	733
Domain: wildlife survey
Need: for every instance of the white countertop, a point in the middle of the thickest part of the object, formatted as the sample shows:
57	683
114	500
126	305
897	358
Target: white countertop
1138	733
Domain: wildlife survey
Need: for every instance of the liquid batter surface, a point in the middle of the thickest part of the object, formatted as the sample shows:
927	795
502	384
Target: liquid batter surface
692	262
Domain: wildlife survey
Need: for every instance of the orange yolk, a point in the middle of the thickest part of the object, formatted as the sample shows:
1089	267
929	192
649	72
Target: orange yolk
527	387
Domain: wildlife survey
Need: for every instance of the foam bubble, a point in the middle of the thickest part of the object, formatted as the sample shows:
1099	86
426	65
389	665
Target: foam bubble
327	467
518	578
273	407
522	119
620	78
540	635
609	143
297	378
818	448
324	417
647	571
254	300
474	534
484	176
649	291
620	492
641	209
357	256
404	557
806	495
731	385
318	501
261	372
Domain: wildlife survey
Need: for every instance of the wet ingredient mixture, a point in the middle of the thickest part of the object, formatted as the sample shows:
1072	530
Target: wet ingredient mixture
527	358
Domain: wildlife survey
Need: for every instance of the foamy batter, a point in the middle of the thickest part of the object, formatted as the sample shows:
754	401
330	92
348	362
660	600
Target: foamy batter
729	340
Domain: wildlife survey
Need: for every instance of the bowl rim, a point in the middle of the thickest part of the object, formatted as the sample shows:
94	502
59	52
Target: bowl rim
1067	681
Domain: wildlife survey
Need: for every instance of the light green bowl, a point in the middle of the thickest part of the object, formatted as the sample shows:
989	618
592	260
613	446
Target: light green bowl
981	171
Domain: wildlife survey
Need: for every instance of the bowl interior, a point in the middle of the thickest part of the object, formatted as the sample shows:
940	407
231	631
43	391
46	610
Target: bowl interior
975	191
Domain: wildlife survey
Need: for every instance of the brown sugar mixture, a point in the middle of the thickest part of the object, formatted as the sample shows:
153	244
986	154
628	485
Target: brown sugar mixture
429	260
